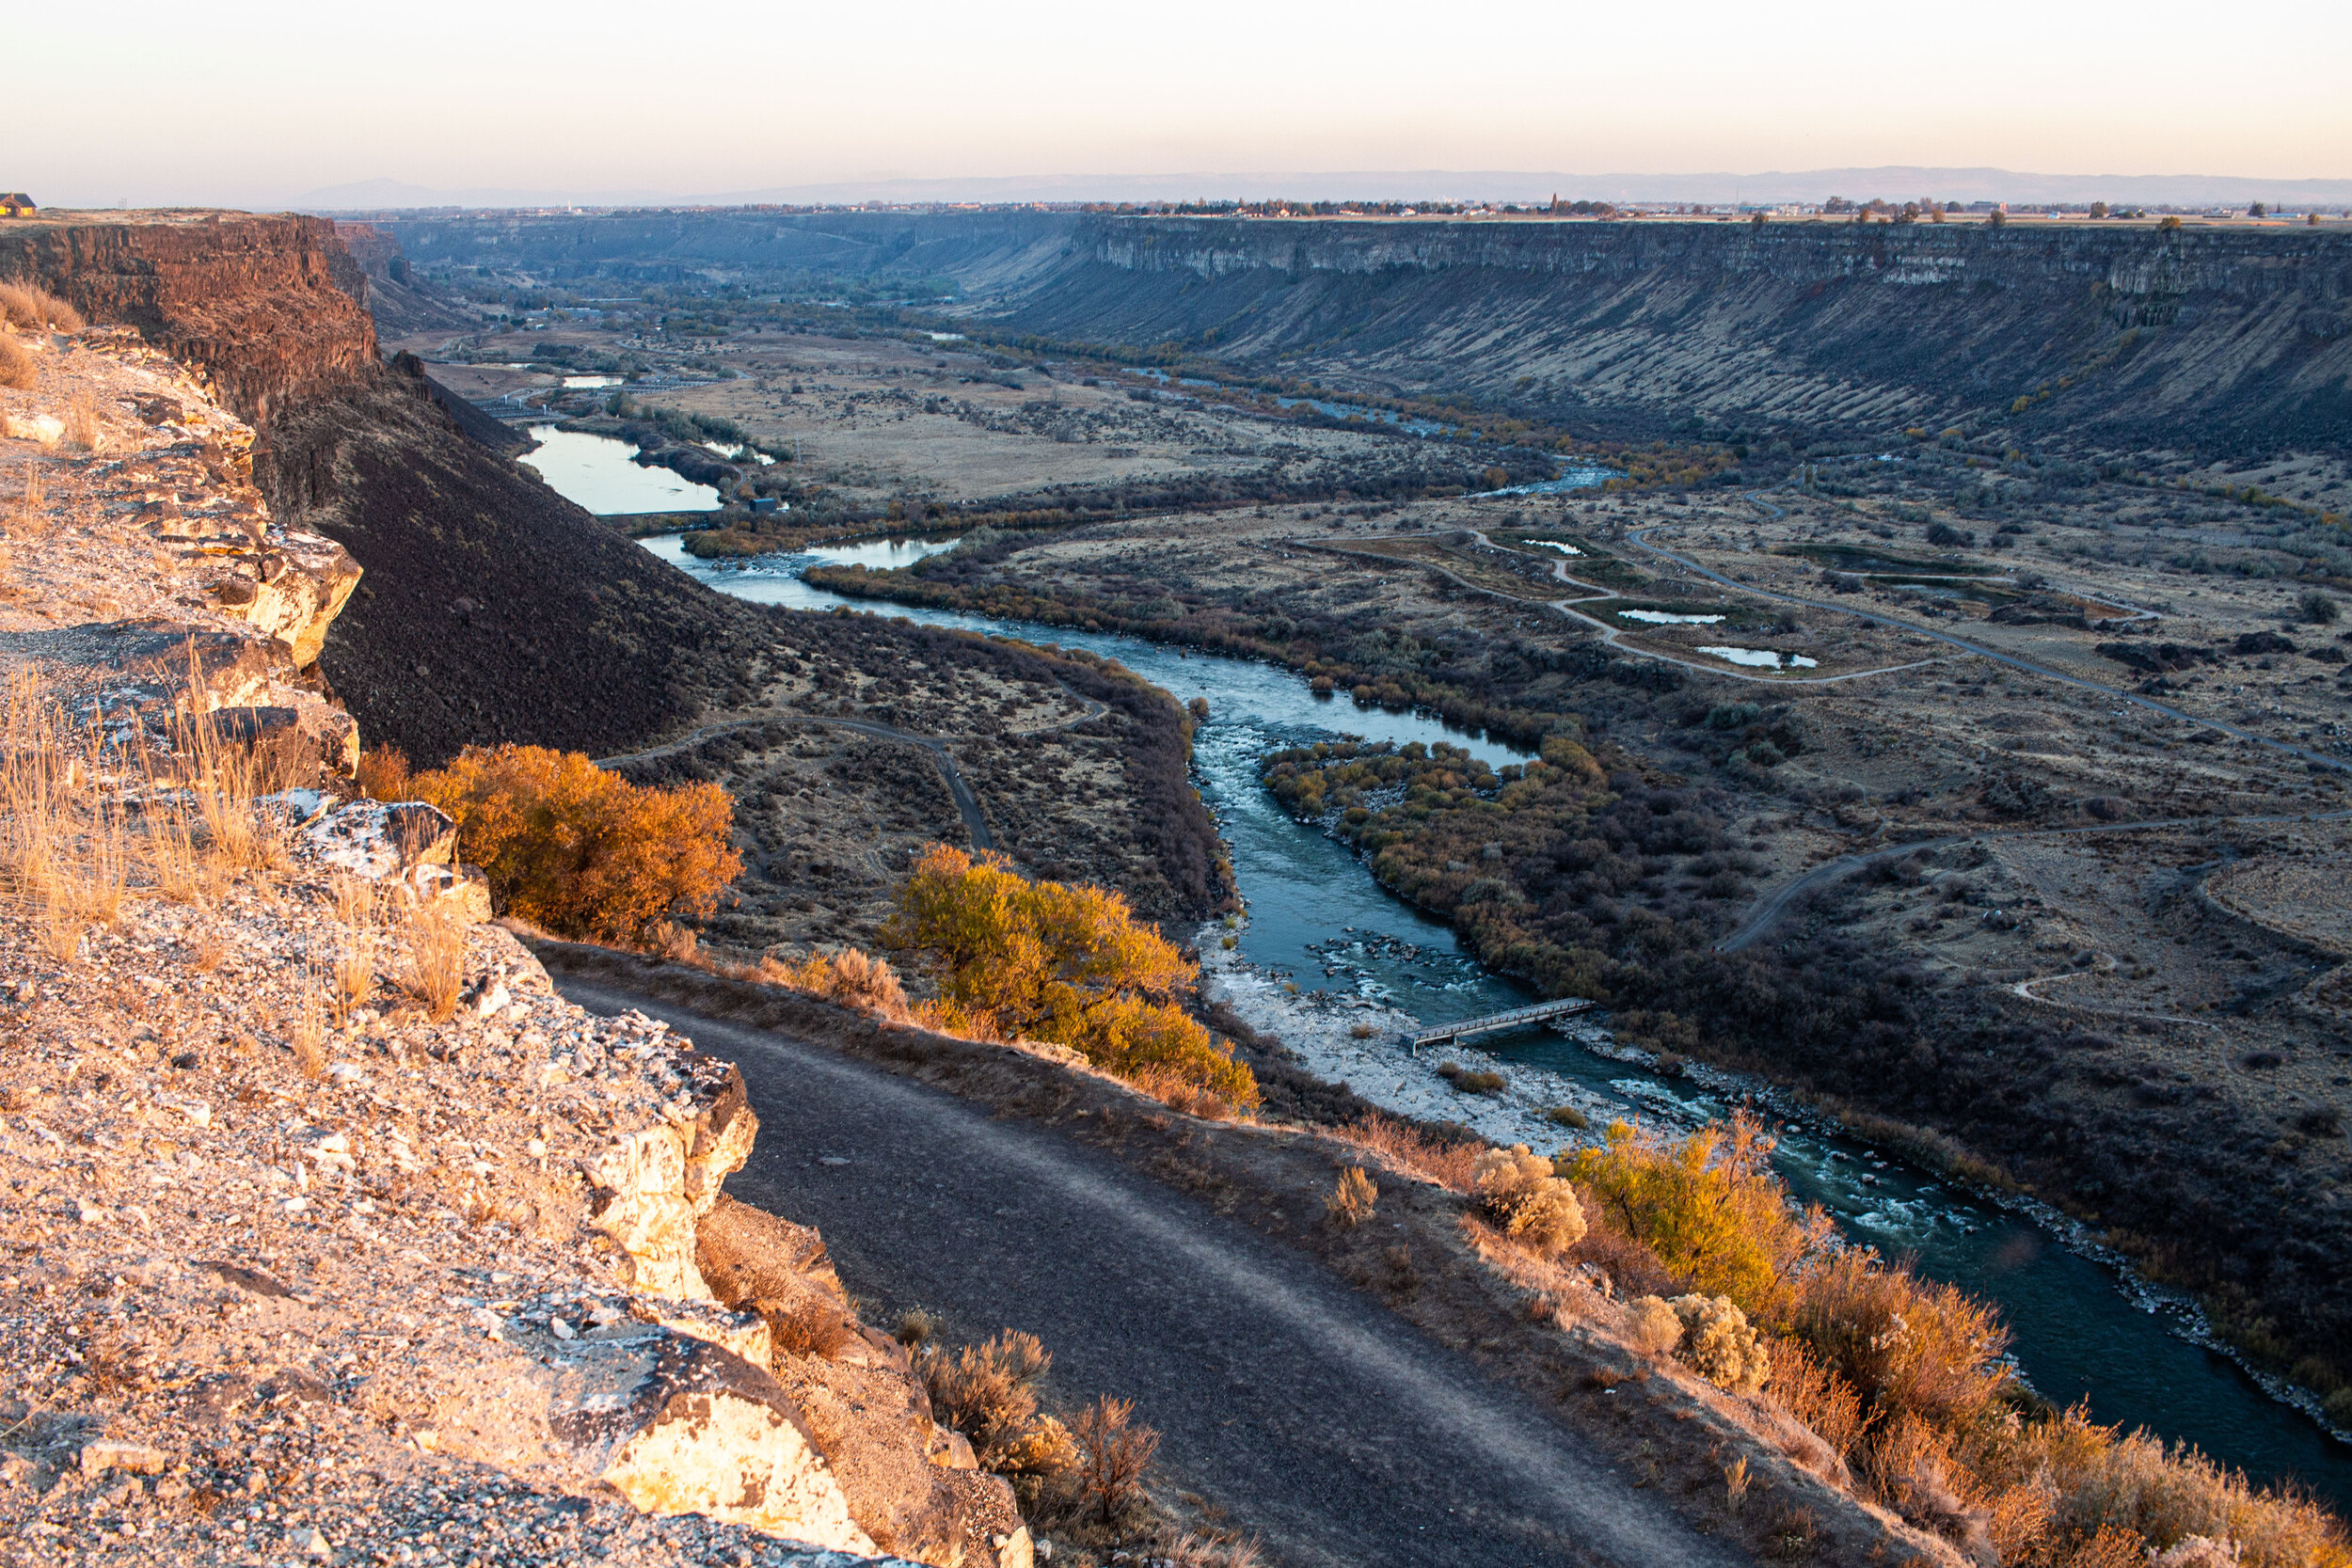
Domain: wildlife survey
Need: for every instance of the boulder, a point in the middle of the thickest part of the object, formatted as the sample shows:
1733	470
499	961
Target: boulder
652	1187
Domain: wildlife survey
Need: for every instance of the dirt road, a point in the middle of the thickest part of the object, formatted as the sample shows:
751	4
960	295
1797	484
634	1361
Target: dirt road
1309	1412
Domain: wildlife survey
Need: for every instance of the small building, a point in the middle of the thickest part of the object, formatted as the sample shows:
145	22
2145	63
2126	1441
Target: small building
16	204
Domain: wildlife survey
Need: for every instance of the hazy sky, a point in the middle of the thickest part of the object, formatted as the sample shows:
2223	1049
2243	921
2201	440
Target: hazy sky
256	103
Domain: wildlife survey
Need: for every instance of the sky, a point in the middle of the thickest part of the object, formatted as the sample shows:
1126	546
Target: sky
258	104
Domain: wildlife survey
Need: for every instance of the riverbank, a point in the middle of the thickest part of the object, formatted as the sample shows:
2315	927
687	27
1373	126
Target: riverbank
2080	1336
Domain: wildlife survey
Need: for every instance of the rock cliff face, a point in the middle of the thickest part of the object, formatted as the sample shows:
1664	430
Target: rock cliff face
2222	338
269	308
493	608
2226	340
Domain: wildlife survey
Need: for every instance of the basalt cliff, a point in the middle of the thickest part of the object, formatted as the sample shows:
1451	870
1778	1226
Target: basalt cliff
2109	336
492	609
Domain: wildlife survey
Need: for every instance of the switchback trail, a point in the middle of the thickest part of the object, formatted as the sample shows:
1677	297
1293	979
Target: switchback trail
2318	759
1769	909
967	805
1312	1413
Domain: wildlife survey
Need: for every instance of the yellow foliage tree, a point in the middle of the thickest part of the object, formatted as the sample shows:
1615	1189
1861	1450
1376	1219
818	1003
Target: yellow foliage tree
1068	965
581	851
1711	1208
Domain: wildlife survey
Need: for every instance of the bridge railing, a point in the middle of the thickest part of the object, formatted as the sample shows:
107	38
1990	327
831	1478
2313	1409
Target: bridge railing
1515	1018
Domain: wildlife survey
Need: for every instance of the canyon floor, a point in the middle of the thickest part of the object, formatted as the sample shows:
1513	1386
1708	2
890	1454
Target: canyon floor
2114	727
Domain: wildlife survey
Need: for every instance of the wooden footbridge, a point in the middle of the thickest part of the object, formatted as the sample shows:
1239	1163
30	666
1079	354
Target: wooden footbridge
1518	1018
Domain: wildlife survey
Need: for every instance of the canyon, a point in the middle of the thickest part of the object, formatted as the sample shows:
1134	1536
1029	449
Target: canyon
360	532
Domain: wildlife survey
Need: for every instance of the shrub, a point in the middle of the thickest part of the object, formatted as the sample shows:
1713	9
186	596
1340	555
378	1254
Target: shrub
848	976
1708	1206
1472	1080
986	1392
1518	1191
1351	1201
384	773
1719	1344
1907	1346
16	366
581	851
31	310
1064	964
2317	608
1114	1455
1657	1328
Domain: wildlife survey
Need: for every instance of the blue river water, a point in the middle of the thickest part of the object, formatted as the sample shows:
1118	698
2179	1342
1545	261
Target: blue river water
1314	908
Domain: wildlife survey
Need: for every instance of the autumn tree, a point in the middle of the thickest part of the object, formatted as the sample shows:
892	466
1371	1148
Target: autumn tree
581	851
1068	965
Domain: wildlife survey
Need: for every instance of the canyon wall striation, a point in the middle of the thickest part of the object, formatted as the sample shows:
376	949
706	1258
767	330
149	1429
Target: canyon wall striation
2215	339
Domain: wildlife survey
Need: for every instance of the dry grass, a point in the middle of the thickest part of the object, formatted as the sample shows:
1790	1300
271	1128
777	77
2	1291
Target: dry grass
31	518
31	309
1351	1201
17	366
175	867
355	900
1452	1166
436	940
848	976
82	424
306	1031
64	843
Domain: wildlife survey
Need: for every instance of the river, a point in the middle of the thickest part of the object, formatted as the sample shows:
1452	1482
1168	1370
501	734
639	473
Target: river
1317	914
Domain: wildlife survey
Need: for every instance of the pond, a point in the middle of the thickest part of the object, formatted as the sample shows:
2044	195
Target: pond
1315	913
1753	659
595	471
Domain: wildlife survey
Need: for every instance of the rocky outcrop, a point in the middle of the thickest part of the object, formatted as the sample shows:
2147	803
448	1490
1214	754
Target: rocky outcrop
493	609
397	299
151	586
267	308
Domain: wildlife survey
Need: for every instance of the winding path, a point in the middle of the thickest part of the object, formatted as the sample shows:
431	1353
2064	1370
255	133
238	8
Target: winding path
2118	694
1766	911
1315	1414
967	805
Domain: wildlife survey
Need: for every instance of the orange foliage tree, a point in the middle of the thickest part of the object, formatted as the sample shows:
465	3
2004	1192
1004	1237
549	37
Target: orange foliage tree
581	851
1065	964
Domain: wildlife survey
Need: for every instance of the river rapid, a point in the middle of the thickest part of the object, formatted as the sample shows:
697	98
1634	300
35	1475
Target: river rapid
1316	920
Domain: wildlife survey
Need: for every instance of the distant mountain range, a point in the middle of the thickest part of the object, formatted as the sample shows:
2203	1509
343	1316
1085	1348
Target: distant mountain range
1894	182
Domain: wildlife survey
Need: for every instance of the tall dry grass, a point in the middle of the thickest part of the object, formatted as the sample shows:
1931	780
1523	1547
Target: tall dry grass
64	841
355	950
83	427
18	368
32	308
1452	1166
434	939
848	976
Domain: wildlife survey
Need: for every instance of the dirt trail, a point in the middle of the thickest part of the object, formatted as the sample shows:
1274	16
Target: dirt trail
1313	1414
1637	537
